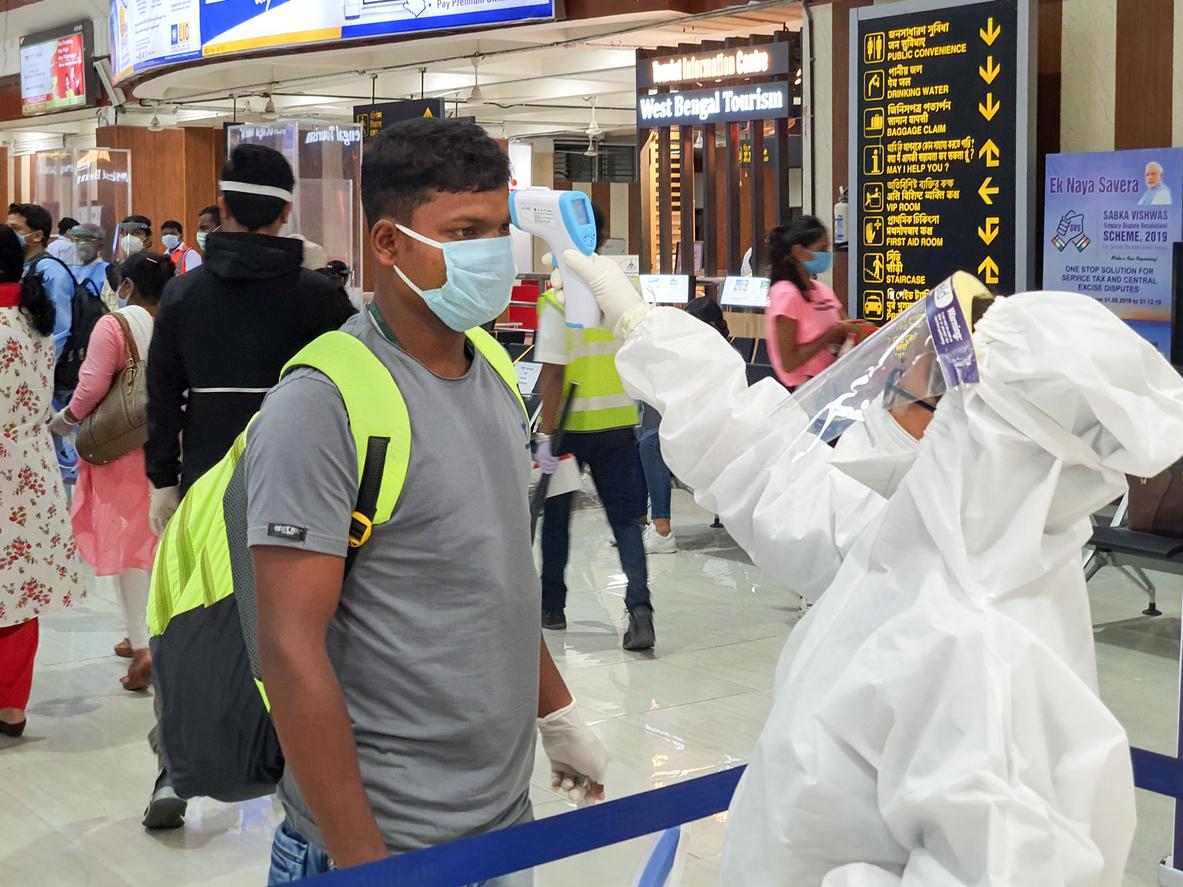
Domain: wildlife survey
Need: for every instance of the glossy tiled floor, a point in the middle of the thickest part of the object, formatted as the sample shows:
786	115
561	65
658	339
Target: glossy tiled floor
72	791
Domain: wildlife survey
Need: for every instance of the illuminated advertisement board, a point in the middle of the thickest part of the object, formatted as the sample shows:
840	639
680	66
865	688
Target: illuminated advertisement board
55	70
147	34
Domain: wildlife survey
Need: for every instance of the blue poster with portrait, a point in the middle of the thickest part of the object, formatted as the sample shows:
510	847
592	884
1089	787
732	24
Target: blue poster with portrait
1110	224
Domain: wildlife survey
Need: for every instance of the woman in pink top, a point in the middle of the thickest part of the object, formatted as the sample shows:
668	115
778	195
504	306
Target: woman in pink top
805	323
110	508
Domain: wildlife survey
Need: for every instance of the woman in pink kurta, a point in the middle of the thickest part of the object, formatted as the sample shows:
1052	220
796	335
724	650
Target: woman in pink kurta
805	321
110	509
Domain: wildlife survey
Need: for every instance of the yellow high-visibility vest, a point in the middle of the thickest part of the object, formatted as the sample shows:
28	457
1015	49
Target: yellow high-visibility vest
601	402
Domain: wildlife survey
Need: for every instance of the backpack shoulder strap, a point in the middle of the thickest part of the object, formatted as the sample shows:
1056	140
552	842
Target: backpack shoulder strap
378	420
498	357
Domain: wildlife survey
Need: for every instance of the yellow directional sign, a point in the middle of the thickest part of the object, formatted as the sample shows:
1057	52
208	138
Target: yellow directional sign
874	86
873	122
991	107
990	151
988	191
873	267
990	33
873	160
990	71
873	231
873	197
427	113
988	270
873	305
990	233
875	48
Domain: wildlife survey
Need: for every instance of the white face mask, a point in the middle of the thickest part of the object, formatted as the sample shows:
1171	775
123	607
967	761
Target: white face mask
132	244
877	452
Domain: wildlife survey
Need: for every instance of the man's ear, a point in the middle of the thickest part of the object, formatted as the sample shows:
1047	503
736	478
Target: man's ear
287	213
225	208
386	241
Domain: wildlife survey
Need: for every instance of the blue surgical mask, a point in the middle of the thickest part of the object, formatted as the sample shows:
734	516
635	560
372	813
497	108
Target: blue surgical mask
481	274
23	238
820	263
170	241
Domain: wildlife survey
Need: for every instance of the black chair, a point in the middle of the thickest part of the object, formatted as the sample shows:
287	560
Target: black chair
761	355
759	371
744	347
517	350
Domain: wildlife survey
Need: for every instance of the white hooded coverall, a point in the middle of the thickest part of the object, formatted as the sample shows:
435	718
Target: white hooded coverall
936	718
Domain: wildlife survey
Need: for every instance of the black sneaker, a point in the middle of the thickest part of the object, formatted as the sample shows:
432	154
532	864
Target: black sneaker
640	635
555	620
165	809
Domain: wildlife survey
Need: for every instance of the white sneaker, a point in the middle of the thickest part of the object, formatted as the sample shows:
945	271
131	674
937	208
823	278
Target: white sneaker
655	543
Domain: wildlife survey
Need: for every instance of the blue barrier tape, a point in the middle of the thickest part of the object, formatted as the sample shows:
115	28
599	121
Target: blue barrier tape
476	859
493	855
1157	773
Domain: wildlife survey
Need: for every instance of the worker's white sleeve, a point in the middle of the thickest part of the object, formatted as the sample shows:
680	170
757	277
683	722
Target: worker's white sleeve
550	339
795	515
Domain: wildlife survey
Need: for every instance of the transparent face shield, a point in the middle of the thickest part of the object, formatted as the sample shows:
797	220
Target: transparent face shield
910	363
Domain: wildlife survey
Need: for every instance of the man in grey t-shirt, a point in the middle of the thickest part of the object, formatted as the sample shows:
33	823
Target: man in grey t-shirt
407	696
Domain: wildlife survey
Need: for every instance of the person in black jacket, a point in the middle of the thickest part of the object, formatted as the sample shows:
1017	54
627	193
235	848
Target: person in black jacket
226	329
223	333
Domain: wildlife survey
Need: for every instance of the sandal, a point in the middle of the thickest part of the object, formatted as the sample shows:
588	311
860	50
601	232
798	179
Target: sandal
139	673
123	649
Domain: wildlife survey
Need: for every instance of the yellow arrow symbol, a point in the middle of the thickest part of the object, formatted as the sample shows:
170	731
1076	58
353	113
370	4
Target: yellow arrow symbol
988	191
989	33
990	233
990	151
991	71
989	270
991	107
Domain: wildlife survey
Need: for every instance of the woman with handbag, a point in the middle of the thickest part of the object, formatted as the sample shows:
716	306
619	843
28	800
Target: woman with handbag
110	508
40	570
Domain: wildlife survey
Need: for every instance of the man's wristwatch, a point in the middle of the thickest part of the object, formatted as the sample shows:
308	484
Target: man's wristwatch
540	437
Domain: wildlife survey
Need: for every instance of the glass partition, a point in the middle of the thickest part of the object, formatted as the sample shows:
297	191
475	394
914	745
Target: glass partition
93	185
326	161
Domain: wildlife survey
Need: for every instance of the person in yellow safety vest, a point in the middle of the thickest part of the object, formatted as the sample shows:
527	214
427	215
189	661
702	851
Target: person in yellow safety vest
600	433
184	257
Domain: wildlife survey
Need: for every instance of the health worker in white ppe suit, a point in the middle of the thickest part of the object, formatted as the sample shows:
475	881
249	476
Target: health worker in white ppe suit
936	718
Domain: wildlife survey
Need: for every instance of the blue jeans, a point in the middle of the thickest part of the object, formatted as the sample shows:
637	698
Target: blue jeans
657	474
616	470
294	859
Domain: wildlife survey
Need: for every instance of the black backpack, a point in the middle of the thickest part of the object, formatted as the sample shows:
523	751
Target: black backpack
86	309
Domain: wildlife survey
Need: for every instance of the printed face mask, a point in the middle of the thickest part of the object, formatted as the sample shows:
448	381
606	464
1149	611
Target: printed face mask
481	274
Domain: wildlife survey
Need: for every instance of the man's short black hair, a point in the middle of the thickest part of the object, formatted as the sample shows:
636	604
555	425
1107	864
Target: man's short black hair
175	225
213	211
601	226
414	158
257	165
35	217
66	225
137	221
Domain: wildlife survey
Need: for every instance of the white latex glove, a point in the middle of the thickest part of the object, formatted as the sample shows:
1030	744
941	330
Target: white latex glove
578	761
621	304
60	425
547	461
164	504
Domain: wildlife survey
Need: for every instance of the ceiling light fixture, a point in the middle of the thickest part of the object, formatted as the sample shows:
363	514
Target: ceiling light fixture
269	112
476	97
155	125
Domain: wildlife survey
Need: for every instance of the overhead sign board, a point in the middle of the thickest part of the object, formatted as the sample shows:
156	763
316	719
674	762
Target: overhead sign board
147	34
375	118
739	63
941	140
1111	221
726	104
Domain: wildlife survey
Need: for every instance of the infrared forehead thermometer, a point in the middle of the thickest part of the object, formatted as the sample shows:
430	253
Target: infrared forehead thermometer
564	220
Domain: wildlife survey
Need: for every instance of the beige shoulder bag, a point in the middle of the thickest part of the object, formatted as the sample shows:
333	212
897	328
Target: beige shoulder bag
120	423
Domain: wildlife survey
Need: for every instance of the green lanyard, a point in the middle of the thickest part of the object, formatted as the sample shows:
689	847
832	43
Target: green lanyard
383	326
